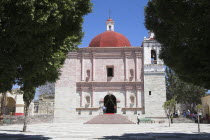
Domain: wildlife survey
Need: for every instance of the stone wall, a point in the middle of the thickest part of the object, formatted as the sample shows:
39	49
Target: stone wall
65	90
155	94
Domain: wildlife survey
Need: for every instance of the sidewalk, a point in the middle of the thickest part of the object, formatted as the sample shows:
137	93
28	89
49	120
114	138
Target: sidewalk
79	131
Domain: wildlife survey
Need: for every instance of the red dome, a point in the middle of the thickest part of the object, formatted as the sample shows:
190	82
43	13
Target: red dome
110	39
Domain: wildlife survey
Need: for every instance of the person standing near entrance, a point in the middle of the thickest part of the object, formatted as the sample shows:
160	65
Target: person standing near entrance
171	117
115	109
138	118
104	109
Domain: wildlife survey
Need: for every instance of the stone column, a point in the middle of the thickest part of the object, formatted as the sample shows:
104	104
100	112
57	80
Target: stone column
142	99
82	67
93	66
92	98
126	65
137	56
140	68
126	97
81	98
19	105
137	98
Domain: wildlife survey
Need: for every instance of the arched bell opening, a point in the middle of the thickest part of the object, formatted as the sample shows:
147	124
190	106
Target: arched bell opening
153	57
110	103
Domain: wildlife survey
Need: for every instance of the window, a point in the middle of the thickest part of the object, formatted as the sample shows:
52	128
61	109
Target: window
110	28
110	72
149	92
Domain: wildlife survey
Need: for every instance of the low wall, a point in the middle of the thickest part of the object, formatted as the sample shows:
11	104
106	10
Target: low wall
32	119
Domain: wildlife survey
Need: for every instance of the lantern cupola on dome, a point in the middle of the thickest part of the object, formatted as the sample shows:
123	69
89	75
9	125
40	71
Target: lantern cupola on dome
110	25
110	38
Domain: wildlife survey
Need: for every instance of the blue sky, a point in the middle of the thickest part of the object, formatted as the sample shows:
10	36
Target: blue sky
127	14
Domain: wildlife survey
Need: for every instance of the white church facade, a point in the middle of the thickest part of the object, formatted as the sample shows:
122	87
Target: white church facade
110	72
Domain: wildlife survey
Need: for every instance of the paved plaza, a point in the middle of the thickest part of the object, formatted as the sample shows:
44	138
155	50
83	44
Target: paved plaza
80	131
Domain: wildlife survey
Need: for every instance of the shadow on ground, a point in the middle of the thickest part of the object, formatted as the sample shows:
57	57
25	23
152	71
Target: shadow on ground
4	136
159	136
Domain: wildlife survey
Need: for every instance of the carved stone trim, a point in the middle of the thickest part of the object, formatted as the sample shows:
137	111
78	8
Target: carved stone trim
128	108
99	86
95	108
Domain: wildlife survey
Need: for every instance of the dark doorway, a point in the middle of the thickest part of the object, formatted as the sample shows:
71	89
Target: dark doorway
110	103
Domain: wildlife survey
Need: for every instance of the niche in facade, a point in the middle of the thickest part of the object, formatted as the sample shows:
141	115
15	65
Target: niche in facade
87	75
87	100
131	75
132	100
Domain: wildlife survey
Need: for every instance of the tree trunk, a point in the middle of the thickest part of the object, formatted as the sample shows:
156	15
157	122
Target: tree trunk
169	120
198	122
26	117
3	103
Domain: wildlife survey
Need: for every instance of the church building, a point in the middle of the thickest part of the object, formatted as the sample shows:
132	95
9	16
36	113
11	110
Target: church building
111	73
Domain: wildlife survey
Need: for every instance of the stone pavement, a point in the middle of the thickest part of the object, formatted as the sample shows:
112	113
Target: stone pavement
79	131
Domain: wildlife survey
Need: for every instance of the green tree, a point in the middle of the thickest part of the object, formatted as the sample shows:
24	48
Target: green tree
183	28
185	93
35	37
169	106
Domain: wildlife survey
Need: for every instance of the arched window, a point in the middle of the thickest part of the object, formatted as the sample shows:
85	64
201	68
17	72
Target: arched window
153	57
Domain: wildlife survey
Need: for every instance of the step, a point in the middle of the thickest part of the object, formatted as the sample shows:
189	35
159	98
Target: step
109	119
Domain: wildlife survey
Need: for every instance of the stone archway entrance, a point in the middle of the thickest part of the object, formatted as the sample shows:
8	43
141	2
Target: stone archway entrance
10	106
111	103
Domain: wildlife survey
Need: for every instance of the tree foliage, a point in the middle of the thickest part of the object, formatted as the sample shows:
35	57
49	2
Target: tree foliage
185	93
35	37
170	104
183	28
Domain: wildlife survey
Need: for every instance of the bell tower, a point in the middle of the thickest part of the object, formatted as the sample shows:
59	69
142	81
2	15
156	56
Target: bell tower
154	78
